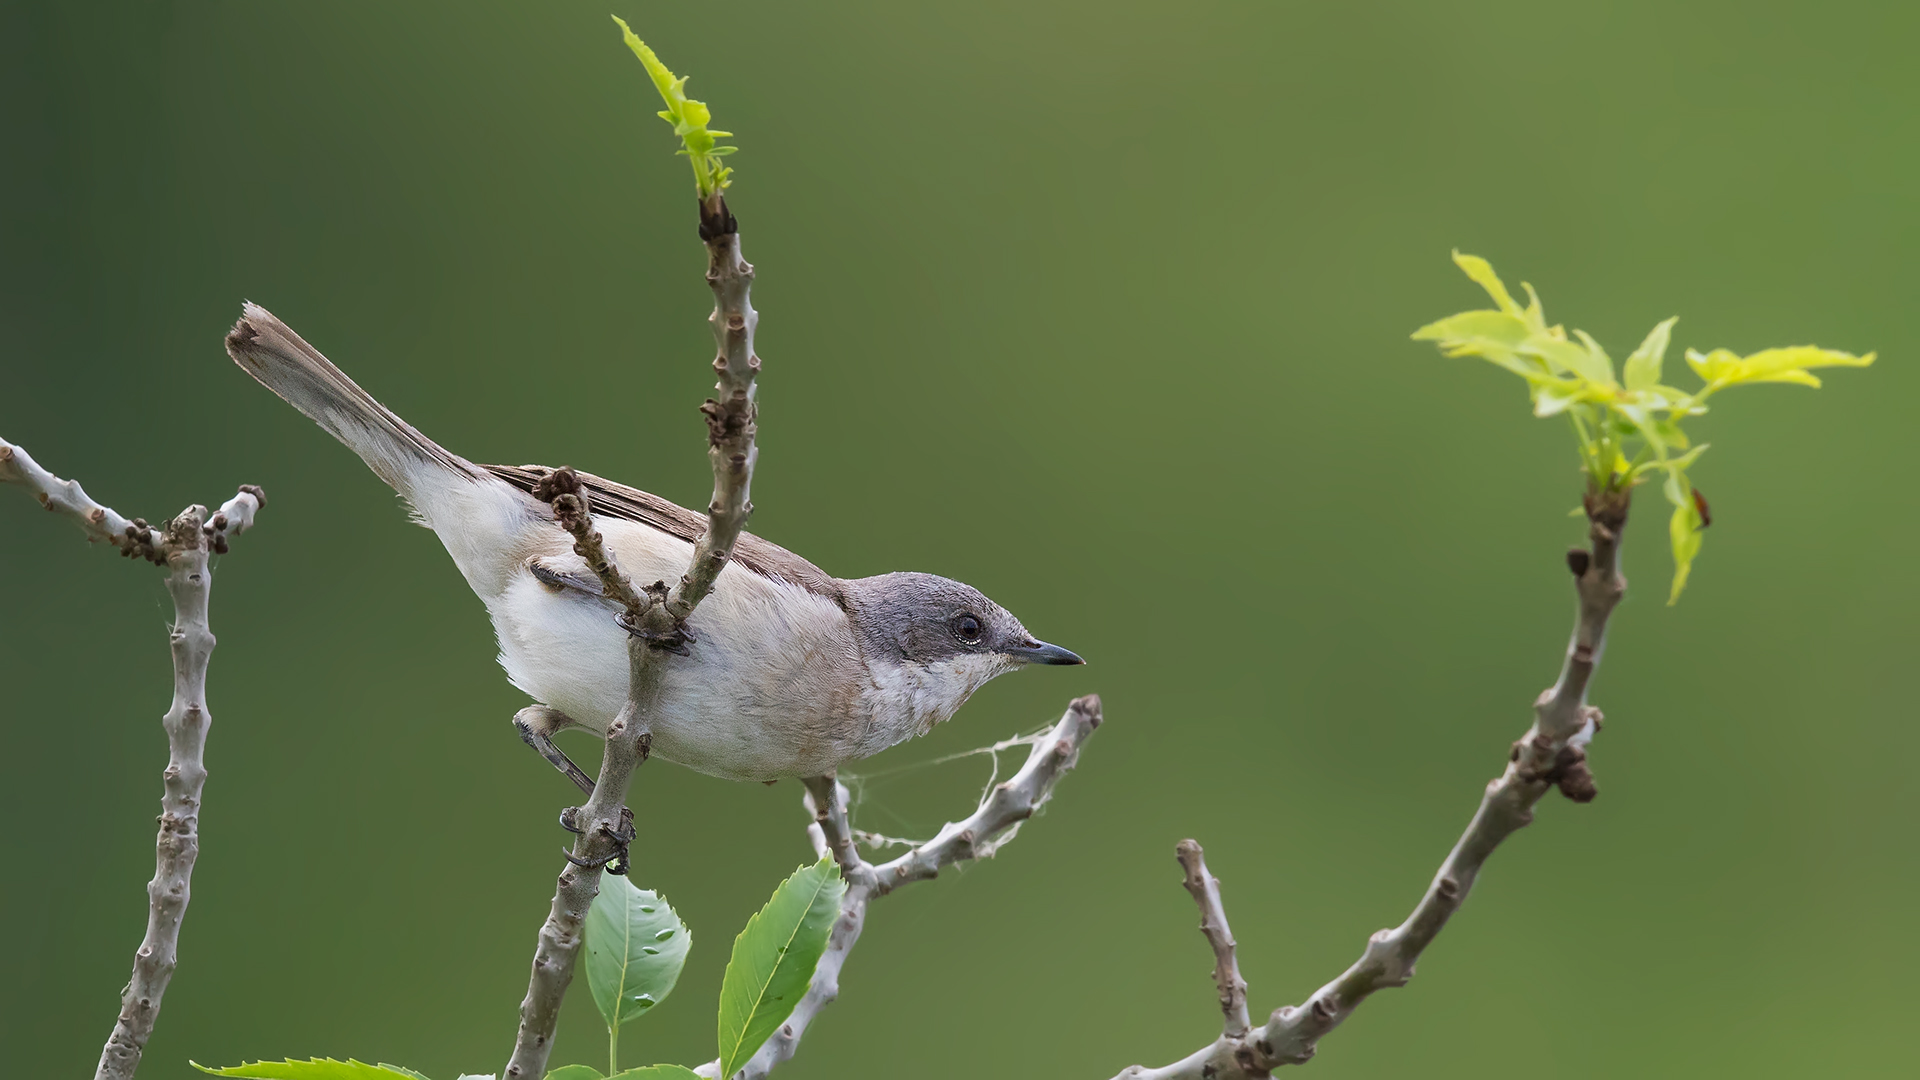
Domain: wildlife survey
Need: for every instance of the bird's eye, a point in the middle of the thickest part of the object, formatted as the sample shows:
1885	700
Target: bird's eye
966	627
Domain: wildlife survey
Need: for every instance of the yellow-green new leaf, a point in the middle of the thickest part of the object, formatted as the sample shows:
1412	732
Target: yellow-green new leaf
1684	530
1642	371
1723	367
1481	271
688	117
313	1069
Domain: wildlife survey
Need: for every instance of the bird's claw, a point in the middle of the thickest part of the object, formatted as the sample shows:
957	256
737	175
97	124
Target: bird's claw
615	861
674	640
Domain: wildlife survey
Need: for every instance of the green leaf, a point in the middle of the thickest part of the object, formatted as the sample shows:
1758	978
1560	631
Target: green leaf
656	1072
1643	365
1683	530
313	1069
1481	271
773	960
1722	367
636	947
575	1072
688	117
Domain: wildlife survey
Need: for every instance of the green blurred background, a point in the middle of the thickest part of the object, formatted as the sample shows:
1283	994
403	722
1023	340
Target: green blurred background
1102	307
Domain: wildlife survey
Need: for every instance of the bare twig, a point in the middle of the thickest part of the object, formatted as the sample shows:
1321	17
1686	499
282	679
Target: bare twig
731	414
183	545
1205	889
1552	753
992	824
656	620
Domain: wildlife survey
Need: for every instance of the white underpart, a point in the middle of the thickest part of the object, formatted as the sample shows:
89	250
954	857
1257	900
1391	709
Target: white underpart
773	687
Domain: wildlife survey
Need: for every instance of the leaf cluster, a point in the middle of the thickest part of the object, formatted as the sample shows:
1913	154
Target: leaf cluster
688	117
636	946
1629	427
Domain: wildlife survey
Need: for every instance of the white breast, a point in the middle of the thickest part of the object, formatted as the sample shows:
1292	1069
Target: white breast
772	688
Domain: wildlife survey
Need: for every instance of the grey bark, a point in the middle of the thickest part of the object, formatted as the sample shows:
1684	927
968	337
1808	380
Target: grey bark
992	824
1551	754
656	620
183	545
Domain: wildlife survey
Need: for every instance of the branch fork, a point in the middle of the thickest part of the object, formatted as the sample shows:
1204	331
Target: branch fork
655	619
183	544
1551	754
992	824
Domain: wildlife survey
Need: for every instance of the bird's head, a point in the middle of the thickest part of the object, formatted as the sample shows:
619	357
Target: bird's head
939	640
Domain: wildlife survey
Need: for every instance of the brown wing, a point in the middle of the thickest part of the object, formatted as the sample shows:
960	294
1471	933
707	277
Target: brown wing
631	504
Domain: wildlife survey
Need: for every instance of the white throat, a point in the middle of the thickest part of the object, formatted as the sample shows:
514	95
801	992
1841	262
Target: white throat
906	698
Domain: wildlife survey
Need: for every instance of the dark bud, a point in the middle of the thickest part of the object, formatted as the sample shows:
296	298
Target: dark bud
1578	559
1700	504
1577	783
561	481
716	220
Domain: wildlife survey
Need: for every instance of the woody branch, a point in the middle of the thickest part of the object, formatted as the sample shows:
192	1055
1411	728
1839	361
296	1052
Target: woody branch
656	620
1551	754
992	824
182	544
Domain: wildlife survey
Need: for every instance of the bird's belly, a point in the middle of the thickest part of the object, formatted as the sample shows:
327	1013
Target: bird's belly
761	705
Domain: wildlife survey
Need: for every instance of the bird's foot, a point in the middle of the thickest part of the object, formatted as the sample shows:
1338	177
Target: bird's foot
673	639
616	861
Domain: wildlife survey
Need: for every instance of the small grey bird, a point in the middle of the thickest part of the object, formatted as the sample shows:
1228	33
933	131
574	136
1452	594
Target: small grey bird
795	672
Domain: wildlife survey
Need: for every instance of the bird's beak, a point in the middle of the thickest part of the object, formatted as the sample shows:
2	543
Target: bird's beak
1039	652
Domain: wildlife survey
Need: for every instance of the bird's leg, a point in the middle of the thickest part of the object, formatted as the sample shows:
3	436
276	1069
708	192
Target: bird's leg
539	737
537	725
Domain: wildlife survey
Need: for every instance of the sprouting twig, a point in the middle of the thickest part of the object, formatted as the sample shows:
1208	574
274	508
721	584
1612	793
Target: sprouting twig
656	620
182	545
1551	754
992	824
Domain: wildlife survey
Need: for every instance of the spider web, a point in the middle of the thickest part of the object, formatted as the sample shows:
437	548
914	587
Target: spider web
858	792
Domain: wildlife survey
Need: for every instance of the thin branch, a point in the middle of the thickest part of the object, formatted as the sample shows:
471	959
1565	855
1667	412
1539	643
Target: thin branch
1552	753
982	833
732	416
183	545
656	622
1205	889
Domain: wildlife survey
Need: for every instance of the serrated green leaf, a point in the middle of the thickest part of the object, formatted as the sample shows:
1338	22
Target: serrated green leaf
636	947
313	1069
656	1072
575	1072
773	960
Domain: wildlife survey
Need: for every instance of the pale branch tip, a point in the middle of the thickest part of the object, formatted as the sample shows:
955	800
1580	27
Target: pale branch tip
1205	890
1551	754
656	620
132	537
992	824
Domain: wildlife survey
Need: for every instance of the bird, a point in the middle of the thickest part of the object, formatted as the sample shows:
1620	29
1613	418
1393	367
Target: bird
793	672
